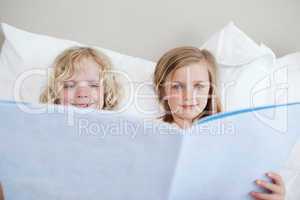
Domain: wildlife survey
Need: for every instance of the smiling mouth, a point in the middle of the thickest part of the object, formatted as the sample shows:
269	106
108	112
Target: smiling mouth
82	105
189	106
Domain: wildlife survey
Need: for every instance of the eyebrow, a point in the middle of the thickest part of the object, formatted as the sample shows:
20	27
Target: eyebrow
89	81
200	81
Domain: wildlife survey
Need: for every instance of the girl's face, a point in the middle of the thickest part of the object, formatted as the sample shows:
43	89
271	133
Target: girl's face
84	89
187	90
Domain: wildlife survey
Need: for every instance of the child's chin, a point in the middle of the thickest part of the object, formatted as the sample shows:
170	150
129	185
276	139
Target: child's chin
189	116
92	106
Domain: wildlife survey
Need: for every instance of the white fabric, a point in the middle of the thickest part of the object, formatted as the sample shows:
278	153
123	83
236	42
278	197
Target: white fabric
232	47
244	68
287	72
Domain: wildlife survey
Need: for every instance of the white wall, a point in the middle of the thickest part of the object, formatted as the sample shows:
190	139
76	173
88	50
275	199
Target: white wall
148	28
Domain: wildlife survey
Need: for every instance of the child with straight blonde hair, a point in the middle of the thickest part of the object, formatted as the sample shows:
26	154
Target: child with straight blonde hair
185	81
82	77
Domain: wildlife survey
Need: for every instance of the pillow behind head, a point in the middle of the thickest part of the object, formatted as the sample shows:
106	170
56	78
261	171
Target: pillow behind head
244	69
287	78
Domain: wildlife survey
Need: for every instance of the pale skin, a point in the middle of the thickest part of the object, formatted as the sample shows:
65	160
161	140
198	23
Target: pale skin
1	193
84	89
186	91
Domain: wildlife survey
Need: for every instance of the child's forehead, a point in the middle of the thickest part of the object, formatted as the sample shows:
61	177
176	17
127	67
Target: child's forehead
84	77
86	70
191	72
86	63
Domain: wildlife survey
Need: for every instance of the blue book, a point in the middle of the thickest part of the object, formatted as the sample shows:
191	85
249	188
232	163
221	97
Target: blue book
56	152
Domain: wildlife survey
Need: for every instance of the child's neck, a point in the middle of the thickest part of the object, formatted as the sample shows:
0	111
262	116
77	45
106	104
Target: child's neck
183	123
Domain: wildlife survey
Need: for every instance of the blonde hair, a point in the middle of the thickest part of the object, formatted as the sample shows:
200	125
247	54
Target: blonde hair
181	57
64	67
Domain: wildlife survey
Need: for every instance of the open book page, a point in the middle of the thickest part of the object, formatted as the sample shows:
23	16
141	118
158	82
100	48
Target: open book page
73	155
222	156
91	155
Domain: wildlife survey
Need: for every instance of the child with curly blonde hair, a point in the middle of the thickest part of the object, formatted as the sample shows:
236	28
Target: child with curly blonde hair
82	77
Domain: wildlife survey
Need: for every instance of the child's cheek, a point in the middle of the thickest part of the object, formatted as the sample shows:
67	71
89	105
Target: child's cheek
202	94
202	99
67	96
98	96
175	104
174	96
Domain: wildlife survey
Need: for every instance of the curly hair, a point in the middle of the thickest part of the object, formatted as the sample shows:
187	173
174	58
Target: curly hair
64	67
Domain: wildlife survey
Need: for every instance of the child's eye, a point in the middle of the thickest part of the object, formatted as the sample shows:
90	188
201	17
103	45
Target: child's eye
199	86
176	86
69	85
95	85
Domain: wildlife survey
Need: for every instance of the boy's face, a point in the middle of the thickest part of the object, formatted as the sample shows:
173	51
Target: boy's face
84	89
187	90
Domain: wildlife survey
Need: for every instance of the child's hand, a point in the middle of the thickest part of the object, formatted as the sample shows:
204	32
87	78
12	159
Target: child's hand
277	189
1	193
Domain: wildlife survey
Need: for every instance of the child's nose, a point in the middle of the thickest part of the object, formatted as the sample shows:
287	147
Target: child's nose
188	94
82	92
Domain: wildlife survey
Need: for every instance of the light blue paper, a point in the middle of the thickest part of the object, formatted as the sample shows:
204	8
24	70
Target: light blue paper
233	150
107	155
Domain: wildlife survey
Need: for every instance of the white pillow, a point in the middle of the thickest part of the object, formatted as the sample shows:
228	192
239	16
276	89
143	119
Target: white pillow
244	68
232	47
287	76
284	78
25	57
